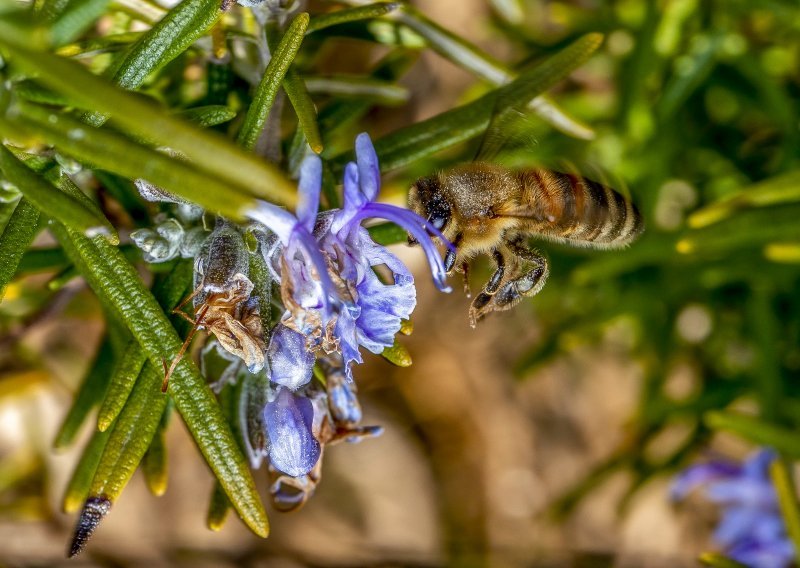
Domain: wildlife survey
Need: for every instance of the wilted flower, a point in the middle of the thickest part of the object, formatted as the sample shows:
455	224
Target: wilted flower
751	530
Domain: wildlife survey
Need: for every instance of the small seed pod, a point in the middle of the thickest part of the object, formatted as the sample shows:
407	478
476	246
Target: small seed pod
222	264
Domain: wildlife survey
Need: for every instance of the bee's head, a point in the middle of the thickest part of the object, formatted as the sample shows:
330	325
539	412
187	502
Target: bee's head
427	200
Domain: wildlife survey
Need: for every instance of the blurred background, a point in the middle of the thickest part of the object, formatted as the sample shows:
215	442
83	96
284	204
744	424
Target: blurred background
548	435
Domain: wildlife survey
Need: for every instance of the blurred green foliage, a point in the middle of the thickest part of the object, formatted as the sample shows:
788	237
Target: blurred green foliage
691	107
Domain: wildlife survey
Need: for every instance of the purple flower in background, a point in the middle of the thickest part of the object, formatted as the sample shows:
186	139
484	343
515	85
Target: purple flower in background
751	530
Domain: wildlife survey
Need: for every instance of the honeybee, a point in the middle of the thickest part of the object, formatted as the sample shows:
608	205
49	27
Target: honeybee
484	208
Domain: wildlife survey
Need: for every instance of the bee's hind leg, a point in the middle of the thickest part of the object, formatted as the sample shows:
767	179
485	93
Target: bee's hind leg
528	279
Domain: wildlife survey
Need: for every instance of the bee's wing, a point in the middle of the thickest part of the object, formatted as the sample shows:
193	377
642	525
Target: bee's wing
507	126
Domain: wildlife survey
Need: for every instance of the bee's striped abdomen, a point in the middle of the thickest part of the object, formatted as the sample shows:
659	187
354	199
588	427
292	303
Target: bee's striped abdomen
577	209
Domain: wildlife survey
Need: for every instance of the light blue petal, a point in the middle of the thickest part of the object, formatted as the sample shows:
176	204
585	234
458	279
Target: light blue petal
377	255
290	362
293	448
757	465
369	173
751	552
308	190
276	219
736	522
382	309
344	406
743	490
417	226
701	474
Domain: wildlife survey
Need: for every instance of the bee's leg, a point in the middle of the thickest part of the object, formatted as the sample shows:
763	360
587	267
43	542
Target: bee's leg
464	269
494	282
451	254
524	281
529	283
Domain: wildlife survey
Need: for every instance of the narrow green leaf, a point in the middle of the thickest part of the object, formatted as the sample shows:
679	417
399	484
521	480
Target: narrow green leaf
457	125
697	65
787	253
15	25
64	277
346	86
368	12
228	399
342	114
387	234
154	463
784	188
162	43
209	115
748	228
304	108
78	487
123	378
106	43
49	199
41	259
512	11
755	430
218	507
262	287
32	91
264	96
131	435
112	151
206	150
783	482
89	395
473	59
17	236
75	19
113	278
168	292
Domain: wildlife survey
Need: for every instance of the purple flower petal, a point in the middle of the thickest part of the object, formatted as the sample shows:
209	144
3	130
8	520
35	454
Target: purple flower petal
417	226
344	406
756	493
353	201
276	219
695	476
377	255
751	552
293	448
382	309
369	173
308	190
757	465
290	362
736	522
